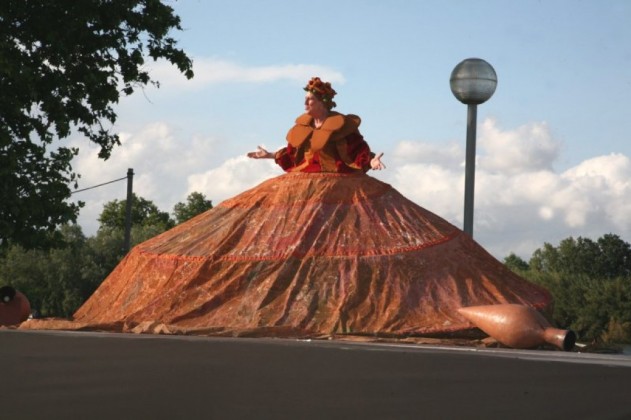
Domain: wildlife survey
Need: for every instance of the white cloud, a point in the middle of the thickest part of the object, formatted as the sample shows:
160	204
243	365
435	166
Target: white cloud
602	189
161	161
232	177
449	155
209	71
527	148
521	201
431	186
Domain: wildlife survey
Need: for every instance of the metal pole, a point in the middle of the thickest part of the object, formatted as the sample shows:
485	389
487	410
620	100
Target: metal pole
469	177
128	204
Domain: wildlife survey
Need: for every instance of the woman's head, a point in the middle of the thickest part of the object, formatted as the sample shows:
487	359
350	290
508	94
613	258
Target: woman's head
314	106
321	91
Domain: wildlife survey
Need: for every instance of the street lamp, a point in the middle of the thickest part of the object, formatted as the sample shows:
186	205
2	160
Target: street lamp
473	81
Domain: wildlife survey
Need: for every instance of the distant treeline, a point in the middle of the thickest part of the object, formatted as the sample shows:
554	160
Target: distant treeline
58	279
590	282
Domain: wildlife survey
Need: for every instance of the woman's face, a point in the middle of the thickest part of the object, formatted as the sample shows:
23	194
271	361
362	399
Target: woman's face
314	106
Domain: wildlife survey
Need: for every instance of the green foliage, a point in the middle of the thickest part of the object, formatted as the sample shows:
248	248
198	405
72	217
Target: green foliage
590	282
106	247
147	221
196	203
56	281
63	65
615	257
608	257
515	263
593	307
143	213
33	188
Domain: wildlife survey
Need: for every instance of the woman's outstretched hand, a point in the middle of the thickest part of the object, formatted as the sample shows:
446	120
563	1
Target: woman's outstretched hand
376	163
261	153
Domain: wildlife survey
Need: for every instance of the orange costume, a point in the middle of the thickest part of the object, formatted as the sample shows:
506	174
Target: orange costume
320	251
336	146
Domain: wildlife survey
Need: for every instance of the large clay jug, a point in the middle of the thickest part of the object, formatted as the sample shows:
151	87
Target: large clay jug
518	326
14	306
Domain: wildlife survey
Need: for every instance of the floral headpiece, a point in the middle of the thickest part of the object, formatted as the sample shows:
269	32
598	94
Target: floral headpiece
321	90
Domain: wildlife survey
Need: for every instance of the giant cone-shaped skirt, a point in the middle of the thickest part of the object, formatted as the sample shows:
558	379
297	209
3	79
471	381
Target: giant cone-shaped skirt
309	254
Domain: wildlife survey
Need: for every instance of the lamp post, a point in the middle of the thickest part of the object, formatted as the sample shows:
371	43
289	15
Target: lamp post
473	81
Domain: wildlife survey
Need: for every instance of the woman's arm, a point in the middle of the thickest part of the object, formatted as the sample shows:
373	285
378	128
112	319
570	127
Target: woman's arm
284	157
376	163
261	153
356	149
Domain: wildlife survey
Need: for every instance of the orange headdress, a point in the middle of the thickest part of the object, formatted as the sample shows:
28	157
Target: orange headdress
321	90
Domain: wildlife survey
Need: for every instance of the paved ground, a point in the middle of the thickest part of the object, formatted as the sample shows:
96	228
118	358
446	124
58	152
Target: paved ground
53	375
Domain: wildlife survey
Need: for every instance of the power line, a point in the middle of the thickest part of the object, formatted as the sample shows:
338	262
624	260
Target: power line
100	185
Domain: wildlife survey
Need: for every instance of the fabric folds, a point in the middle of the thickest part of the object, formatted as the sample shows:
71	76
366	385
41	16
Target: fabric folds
308	255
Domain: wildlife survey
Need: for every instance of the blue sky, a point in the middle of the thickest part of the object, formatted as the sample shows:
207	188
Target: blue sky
554	142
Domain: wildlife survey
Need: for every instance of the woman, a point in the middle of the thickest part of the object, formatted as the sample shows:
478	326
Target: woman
323	140
322	249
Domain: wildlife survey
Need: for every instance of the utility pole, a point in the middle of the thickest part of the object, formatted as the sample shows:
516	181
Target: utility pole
130	195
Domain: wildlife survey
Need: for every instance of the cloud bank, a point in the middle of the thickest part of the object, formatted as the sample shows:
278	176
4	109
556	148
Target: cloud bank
213	71
521	200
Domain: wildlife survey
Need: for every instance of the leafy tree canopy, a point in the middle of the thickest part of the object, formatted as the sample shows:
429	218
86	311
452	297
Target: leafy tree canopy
589	281
196	203
143	213
607	257
63	65
515	263
56	281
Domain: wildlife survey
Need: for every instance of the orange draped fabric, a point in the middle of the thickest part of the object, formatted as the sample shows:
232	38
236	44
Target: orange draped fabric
308	255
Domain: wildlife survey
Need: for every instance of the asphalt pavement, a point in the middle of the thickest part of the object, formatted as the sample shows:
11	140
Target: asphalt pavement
80	375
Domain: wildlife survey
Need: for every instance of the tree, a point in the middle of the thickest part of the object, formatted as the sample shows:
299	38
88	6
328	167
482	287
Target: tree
591	285
143	213
63	65
515	263
615	258
608	257
56	281
146	219
59	279
106	248
196	203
